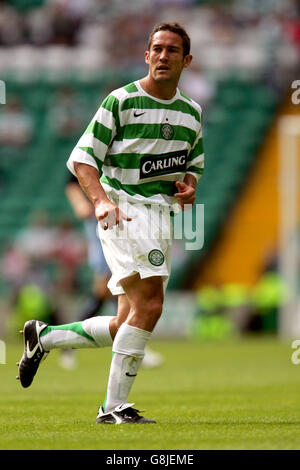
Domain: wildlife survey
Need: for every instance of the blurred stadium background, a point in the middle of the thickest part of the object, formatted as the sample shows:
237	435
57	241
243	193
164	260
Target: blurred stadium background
58	60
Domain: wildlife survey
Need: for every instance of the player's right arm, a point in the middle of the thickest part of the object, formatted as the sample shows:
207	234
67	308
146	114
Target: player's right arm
106	211
88	157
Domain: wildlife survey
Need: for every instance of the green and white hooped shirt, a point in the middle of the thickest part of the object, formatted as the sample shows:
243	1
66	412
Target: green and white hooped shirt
142	145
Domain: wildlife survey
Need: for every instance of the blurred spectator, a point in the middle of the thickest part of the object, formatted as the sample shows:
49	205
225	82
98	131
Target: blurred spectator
69	252
38	240
67	114
197	85
236	304
14	266
31	300
2	176
16	125
292	26
253	35
28	284
84	210
208	299
23	5
75	9
39	26
212	322
134	29
25	260
40	270
182	3
12	30
44	243
66	21
268	295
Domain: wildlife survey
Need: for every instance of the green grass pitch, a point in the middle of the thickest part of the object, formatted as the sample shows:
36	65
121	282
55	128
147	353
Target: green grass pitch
237	394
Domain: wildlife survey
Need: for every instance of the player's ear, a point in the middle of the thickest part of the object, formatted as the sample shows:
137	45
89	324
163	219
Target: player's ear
147	57
187	60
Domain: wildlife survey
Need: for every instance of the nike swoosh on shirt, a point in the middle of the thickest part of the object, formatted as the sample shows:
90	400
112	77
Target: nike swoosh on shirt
130	375
138	114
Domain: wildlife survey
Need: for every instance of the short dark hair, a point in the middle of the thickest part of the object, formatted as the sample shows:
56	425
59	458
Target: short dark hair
174	28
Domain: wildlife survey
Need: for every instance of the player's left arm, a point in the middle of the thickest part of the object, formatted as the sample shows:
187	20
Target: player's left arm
186	190
186	194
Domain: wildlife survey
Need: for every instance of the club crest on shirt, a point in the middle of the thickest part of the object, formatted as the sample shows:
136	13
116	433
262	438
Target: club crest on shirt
156	257
167	131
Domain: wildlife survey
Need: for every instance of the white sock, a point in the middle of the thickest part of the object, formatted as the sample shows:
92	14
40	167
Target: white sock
98	329
128	352
90	333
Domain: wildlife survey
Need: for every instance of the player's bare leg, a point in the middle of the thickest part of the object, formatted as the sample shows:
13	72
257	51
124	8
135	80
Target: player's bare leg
121	317
145	298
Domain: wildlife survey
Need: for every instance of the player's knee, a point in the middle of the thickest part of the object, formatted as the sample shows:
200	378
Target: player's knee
154	308
118	322
146	314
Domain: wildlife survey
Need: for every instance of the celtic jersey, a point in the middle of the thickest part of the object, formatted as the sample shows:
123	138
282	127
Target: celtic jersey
142	145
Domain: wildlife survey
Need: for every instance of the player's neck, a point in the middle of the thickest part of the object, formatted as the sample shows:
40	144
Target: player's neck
161	90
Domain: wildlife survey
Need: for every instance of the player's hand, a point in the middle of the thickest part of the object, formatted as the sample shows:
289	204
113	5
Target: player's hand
109	214
186	194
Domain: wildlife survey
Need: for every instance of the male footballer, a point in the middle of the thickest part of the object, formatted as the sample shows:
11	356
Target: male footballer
146	139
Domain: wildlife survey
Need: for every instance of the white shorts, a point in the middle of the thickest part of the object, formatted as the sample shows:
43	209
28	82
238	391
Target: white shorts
142	245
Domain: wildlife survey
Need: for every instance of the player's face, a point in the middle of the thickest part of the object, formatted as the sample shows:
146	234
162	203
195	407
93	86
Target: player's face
165	57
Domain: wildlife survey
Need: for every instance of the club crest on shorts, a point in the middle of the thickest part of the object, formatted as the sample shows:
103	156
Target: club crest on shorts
167	131
156	257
